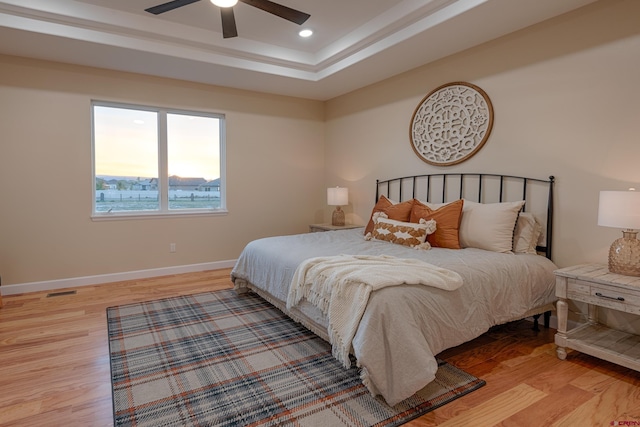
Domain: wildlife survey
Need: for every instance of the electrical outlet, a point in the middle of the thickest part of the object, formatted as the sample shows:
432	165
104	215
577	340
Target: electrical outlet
172	247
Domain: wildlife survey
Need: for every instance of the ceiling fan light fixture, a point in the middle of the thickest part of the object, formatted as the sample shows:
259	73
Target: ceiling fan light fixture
224	3
227	16
305	33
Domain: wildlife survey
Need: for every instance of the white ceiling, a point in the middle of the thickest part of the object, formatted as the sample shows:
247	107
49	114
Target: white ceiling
355	42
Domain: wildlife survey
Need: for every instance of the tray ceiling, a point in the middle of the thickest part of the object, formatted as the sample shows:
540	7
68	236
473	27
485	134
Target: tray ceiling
355	42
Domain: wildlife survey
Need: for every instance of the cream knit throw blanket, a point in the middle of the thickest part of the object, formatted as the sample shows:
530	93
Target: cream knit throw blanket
340	286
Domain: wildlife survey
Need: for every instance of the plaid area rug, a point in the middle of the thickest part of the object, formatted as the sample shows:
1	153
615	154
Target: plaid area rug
219	359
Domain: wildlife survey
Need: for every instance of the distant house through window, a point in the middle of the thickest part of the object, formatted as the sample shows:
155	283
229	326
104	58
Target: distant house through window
150	161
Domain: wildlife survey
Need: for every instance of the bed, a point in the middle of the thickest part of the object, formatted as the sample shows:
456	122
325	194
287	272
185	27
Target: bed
504	233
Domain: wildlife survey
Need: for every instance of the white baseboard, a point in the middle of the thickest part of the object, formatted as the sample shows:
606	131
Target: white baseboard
21	288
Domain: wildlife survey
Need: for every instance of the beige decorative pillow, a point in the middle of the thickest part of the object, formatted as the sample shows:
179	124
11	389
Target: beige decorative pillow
528	230
409	234
489	226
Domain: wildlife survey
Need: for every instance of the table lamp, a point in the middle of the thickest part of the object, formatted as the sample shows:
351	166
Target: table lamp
621	209
337	196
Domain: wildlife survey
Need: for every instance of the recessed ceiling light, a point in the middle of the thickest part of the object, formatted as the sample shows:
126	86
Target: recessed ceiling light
224	3
305	33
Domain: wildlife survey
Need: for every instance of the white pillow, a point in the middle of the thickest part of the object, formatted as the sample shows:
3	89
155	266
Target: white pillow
489	226
527	233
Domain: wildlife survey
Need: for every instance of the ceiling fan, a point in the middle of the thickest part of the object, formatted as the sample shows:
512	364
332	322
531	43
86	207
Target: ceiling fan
229	28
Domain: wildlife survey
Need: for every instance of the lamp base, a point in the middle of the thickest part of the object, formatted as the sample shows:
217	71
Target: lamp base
624	254
338	217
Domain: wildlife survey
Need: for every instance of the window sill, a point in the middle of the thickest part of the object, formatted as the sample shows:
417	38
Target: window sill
119	216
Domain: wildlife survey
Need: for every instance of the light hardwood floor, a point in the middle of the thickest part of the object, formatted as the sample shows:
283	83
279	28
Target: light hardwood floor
54	365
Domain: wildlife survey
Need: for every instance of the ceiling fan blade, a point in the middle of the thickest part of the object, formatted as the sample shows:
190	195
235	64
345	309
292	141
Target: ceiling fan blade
229	28
279	10
166	7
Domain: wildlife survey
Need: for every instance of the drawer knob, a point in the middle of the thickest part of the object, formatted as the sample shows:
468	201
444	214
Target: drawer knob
598	294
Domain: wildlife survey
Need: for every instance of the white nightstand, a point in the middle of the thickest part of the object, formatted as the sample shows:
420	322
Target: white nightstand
313	228
595	285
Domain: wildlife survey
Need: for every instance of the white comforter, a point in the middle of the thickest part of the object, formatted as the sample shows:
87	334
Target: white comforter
340	286
404	327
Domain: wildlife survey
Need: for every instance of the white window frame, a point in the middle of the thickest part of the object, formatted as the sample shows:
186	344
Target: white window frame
163	166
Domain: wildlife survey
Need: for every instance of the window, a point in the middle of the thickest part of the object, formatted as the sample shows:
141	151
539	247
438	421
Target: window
151	161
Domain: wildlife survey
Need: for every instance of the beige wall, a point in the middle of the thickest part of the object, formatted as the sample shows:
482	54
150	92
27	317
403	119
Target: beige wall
275	173
566	101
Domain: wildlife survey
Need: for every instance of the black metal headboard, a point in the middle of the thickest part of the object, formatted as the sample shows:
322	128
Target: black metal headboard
478	187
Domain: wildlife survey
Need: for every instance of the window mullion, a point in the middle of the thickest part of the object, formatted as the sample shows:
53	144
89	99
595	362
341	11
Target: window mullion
163	162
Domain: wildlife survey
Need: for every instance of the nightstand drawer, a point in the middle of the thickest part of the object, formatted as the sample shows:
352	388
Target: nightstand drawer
577	289
616	299
603	296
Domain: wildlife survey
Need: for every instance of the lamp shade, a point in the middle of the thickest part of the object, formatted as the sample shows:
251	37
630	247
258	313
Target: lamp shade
337	196
620	209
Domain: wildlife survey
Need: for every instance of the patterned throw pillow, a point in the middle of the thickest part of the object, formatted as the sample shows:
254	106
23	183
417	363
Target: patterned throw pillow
401	233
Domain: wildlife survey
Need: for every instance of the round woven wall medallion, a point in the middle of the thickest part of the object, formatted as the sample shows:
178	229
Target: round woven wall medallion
451	124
